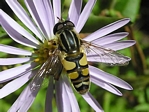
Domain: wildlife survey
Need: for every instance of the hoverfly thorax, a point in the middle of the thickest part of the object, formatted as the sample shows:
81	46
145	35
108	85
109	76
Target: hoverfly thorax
67	37
72	56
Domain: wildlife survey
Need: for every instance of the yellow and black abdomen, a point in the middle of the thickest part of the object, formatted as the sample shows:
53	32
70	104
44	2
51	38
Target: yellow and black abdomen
77	69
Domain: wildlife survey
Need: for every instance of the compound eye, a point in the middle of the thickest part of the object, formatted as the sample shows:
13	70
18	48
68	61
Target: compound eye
57	27
69	23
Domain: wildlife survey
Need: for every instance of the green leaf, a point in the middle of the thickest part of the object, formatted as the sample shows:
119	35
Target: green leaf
6	41
4	106
128	8
142	107
107	101
97	8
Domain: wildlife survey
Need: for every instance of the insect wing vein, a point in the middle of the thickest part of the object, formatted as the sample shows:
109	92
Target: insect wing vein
96	53
46	69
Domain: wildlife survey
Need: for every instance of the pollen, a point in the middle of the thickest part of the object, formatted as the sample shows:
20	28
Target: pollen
45	49
36	60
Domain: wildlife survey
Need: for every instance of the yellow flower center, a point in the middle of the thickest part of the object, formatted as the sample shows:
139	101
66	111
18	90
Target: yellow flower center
41	54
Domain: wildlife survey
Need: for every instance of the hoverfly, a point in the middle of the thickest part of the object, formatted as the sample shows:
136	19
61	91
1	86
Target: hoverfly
70	53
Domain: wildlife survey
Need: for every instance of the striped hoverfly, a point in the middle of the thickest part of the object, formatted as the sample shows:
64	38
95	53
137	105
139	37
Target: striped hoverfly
69	52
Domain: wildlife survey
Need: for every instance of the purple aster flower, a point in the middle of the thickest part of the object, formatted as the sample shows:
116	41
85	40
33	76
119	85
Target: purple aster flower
40	21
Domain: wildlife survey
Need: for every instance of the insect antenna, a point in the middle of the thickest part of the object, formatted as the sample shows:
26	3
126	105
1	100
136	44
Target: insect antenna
60	19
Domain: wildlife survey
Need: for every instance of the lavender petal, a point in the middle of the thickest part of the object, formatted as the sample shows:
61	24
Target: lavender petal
105	86
15	84
34	87
73	101
15	35
120	45
85	14
110	38
57	9
74	11
92	102
12	61
99	74
32	9
14	50
43	15
16	26
107	29
24	101
62	97
50	15
18	103
15	72
22	15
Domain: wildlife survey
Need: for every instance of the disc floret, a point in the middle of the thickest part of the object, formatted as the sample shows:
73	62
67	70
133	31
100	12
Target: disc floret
45	49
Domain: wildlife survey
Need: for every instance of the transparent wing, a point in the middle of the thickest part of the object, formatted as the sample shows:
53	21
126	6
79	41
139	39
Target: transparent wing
52	67
96	53
28	95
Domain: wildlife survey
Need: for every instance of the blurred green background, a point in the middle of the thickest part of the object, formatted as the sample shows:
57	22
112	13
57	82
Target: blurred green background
136	73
